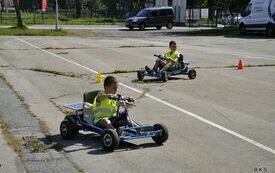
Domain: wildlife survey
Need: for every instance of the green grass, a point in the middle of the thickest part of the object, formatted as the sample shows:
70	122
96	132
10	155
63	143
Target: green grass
32	32
49	19
54	72
9	137
34	145
118	71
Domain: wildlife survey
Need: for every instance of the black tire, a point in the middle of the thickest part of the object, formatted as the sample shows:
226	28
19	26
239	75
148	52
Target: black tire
159	27
269	30
67	129
192	74
141	26
163	137
242	29
169	25
110	140
131	28
140	75
164	76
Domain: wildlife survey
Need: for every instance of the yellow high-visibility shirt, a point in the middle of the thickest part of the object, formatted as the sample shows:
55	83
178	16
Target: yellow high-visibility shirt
106	108
173	56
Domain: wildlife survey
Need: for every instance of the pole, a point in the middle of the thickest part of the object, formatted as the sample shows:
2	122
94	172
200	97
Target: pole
56	16
42	16
2	6
120	8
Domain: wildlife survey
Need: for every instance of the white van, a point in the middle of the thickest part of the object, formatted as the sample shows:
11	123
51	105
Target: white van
259	15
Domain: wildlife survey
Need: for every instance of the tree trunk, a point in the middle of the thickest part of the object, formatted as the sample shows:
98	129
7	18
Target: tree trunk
78	8
18	14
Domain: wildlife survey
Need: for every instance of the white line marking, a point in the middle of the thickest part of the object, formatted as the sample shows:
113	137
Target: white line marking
251	141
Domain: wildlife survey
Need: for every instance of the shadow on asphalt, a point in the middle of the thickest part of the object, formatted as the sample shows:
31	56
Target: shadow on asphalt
156	80
183	33
150	29
250	36
90	142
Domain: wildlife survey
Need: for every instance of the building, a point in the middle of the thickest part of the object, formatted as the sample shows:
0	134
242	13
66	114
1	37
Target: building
7	5
178	5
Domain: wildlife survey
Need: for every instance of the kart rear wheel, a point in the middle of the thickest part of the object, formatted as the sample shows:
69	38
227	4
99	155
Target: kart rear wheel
140	75
192	74
110	140
163	137
67	129
164	76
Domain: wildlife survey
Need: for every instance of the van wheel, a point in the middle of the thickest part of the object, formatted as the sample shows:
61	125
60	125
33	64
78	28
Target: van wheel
159	27
242	29
169	25
269	30
141	26
131	28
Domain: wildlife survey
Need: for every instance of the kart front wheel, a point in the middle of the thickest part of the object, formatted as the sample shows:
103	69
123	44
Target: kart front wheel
164	76
110	140
192	74
140	75
67	129
163	136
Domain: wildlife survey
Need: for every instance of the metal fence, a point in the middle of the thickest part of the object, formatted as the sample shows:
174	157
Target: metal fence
66	16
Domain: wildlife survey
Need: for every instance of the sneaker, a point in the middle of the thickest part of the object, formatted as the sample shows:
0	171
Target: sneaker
119	131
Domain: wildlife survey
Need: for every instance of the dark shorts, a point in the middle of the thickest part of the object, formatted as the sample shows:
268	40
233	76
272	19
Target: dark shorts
117	122
122	120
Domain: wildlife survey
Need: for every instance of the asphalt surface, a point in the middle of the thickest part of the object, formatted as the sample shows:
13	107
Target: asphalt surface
26	127
223	121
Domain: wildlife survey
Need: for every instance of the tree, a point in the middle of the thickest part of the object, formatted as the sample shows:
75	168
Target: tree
78	8
18	14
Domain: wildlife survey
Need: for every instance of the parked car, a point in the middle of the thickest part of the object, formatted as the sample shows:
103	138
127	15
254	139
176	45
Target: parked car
259	15
152	17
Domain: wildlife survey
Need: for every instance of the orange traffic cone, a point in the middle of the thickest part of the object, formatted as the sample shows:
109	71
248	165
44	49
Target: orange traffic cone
240	65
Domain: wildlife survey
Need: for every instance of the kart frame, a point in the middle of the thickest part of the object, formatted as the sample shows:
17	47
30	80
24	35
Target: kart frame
82	125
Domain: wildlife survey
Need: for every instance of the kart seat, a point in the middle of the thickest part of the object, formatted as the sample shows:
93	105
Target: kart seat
179	65
90	96
88	113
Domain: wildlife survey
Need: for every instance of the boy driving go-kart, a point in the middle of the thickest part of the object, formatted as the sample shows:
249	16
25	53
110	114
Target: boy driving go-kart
171	64
106	103
170	59
100	113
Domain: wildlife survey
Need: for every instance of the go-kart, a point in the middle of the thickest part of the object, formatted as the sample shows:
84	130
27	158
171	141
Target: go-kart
182	69
72	124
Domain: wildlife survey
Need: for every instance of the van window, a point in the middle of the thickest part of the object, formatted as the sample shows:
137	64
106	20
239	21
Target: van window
142	13
166	12
154	13
247	11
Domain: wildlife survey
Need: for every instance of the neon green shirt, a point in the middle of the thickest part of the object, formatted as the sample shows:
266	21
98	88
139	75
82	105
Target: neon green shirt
173	56
106	108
